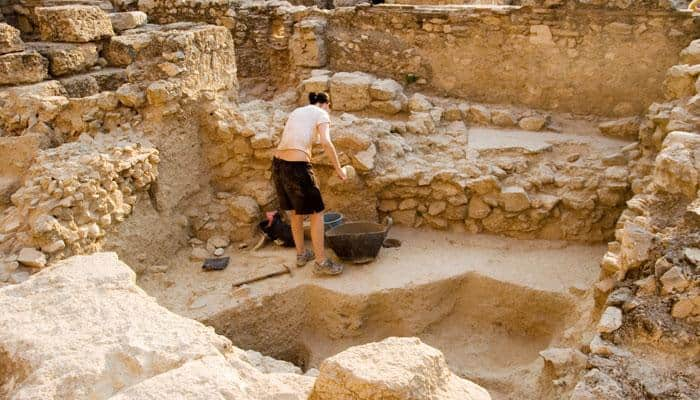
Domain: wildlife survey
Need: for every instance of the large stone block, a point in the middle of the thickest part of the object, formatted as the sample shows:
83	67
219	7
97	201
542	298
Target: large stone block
395	368
67	58
308	44
73	23
350	91
128	20
10	41
90	83
23	67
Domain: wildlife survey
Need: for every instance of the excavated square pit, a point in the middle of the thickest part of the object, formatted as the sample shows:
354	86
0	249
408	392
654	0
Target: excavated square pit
490	304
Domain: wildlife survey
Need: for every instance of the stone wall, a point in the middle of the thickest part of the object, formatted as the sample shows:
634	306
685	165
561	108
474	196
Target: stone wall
546	55
583	61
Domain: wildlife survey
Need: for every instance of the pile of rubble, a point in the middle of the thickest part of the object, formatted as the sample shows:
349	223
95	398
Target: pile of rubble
72	194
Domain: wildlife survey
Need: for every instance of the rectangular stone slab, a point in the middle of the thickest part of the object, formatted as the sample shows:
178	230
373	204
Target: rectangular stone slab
67	58
10	41
23	67
73	23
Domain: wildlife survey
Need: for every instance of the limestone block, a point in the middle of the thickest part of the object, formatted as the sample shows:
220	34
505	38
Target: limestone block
674	281
73	23
123	50
364	160
385	89
479	115
419	103
122	21
350	91
23	67
676	168
503	118
680	81
162	92
80	85
563	360
627	128
387	107
138	349
131	95
610	321
484	184
243	208
692	254
437	207
10	41
541	35
31	258
308	45
314	84
395	368
65	58
406	217
453	112
636	244
691	54
532	123
514	199
478	209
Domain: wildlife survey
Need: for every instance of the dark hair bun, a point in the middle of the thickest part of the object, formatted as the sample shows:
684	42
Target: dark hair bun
313	98
320	97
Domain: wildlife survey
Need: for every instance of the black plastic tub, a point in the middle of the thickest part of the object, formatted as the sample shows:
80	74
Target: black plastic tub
358	242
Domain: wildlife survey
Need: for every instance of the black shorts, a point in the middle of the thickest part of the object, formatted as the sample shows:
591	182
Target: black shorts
297	186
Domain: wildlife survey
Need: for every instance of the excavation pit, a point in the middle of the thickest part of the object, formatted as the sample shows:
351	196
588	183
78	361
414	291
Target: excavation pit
491	304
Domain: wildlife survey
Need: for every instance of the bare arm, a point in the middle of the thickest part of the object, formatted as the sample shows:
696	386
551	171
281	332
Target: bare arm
329	148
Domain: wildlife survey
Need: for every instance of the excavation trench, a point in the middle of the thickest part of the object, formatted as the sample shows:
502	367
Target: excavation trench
489	304
489	330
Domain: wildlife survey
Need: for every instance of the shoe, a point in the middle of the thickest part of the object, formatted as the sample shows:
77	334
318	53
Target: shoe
327	267
304	257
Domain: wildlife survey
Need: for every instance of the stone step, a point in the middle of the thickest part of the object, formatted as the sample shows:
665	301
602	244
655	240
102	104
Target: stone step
90	83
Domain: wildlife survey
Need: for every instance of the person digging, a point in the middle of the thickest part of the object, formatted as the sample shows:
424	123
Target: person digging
296	184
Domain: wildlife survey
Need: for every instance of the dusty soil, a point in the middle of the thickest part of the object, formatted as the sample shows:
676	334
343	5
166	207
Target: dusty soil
489	303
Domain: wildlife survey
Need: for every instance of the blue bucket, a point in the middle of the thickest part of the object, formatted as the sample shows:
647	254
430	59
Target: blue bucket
331	220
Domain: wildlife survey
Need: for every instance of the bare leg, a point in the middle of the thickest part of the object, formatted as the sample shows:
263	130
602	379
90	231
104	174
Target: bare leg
297	222
317	236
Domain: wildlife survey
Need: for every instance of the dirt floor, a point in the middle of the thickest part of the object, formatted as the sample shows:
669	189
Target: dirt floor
489	303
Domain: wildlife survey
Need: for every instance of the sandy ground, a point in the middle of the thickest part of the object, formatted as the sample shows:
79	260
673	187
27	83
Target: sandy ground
425	256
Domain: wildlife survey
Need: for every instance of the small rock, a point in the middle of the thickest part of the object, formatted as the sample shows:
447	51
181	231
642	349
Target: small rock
600	347
534	123
683	308
199	254
218	241
573	157
692	254
662	265
515	199
610	321
479	115
674	281
619	296
419	103
219	252
159	268
647	286
625	128
32	258
503	118
563	360
437	207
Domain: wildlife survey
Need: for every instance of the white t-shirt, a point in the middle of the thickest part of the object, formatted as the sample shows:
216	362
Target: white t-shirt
301	129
